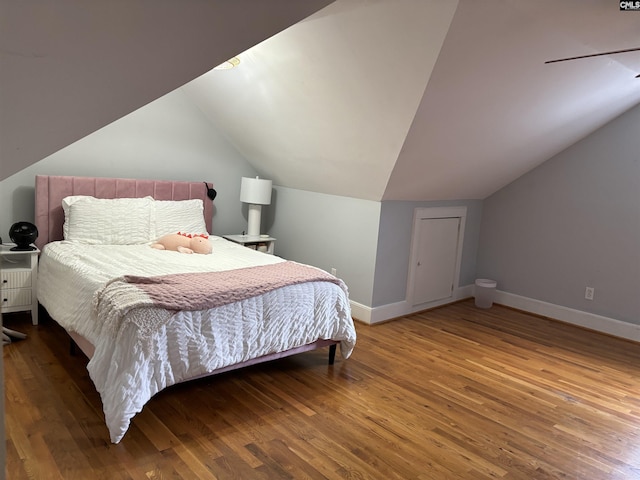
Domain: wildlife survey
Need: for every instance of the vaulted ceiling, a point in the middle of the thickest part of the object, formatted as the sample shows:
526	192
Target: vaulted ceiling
68	68
493	110
326	105
374	99
424	100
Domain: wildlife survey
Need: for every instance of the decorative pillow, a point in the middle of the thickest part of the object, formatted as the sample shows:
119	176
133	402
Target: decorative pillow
113	221
172	216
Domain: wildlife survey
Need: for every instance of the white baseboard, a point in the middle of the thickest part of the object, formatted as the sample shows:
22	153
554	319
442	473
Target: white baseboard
394	310
610	326
607	325
360	312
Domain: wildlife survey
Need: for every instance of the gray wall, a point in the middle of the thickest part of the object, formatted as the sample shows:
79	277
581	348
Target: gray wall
167	139
394	247
327	231
171	139
570	223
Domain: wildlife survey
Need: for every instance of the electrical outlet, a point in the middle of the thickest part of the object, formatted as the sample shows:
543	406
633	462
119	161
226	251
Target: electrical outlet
588	293
333	271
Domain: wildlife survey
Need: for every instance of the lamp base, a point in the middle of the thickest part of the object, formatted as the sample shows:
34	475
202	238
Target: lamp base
255	213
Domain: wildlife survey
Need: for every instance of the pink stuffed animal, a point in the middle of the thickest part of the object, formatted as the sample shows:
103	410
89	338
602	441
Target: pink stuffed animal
184	243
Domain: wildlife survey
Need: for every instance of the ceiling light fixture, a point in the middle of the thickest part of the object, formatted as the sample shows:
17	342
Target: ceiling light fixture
229	64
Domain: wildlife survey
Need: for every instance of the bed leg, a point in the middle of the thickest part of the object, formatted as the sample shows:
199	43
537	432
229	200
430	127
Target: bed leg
332	354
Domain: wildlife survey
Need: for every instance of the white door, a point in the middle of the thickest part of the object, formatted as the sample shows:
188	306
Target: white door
436	257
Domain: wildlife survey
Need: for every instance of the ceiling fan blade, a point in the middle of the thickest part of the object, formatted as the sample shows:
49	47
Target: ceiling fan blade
614	52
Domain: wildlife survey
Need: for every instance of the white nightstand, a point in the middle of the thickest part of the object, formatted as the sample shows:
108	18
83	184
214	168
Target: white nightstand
19	281
263	243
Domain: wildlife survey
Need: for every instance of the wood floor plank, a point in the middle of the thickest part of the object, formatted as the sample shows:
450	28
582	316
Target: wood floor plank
453	393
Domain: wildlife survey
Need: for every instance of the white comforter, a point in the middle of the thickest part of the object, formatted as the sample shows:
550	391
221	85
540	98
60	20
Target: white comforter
129	370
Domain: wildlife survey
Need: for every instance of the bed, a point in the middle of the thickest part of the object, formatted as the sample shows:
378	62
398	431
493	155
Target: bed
148	319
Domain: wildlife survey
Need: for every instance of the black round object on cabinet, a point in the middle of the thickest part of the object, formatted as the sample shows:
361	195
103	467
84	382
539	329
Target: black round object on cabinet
23	234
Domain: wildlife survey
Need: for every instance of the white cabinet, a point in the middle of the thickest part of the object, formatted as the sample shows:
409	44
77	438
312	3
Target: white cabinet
18	281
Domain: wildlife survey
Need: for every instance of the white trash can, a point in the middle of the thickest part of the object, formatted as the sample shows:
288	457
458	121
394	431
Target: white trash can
484	292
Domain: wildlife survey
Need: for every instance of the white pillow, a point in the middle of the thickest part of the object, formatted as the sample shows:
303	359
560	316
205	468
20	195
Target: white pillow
173	216
66	201
113	221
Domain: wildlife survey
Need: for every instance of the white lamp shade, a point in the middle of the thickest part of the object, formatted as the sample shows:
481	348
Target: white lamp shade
256	191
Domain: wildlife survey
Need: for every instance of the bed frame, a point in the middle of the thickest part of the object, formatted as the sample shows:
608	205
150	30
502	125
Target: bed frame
49	218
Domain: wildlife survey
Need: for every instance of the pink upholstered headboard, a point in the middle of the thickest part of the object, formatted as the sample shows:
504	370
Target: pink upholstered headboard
50	190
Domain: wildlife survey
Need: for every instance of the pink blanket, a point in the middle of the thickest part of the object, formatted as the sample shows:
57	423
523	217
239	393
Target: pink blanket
201	291
149	302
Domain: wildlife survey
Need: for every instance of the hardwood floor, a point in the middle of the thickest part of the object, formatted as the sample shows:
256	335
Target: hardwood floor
455	392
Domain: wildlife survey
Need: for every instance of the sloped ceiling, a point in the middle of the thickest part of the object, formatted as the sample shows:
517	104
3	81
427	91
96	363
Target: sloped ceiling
373	99
326	105
493	110
67	68
424	99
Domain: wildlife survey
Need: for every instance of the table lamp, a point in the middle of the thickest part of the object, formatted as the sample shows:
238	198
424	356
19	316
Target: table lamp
256	192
